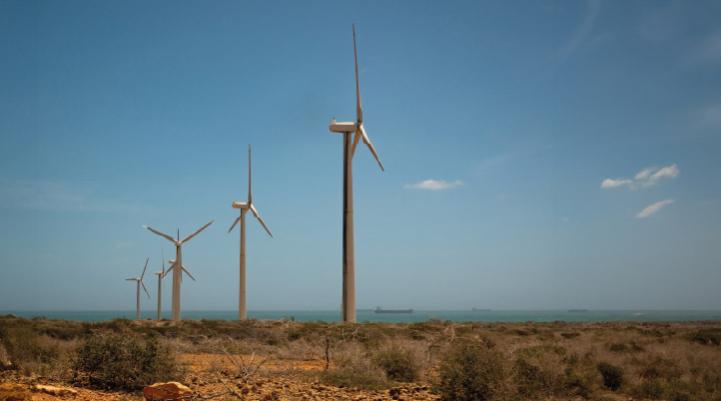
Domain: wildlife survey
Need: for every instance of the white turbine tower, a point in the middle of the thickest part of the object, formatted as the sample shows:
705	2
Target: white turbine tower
178	267
358	132
160	275
139	283
244	207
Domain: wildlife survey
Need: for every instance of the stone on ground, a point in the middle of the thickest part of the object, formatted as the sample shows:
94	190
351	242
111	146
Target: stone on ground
167	391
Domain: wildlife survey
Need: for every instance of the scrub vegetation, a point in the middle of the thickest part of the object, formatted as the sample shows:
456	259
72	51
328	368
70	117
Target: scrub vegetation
429	360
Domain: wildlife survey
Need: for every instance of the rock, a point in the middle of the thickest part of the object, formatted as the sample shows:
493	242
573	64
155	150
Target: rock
54	390
167	391
395	393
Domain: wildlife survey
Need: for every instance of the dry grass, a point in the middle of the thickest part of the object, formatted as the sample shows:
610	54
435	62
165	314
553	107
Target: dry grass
670	361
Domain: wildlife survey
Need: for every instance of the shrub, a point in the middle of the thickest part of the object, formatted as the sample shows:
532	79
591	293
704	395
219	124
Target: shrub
707	337
353	369
612	375
471	373
123	361
398	363
533	380
30	352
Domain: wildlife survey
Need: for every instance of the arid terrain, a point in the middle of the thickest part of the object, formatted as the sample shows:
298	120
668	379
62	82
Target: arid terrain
286	360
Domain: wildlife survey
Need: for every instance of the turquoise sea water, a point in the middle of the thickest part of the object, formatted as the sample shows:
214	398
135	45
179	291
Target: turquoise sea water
416	316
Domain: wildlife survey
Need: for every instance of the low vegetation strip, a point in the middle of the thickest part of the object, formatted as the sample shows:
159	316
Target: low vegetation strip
429	360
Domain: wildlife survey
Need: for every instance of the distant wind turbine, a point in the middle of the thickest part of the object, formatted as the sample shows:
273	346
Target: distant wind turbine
160	275
177	267
139	283
358	132
244	207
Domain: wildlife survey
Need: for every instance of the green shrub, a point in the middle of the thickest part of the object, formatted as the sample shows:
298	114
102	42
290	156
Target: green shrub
123	361
612	375
471	373
398	363
707	337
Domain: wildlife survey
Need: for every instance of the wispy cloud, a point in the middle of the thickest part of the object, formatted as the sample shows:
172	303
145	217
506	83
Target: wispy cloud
51	196
434	185
653	208
583	30
647	177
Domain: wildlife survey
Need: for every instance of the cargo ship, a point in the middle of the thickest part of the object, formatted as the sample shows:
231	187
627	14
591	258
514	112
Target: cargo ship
381	310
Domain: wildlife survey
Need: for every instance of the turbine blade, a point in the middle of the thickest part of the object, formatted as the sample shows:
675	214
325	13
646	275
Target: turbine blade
356	139
144	268
186	239
188	273
165	273
162	261
166	236
372	148
234	223
250	178
260	220
359	108
130	279
145	289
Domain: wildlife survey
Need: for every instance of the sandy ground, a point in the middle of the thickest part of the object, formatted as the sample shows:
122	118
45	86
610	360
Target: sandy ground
215	376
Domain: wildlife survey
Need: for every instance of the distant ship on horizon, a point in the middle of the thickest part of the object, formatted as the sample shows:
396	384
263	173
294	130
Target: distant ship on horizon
381	310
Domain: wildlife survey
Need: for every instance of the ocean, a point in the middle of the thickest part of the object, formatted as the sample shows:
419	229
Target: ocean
366	315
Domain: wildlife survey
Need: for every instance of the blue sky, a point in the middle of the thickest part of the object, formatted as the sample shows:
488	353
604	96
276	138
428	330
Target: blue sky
538	154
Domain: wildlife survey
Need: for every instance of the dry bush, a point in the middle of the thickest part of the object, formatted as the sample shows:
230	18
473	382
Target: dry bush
123	361
613	376
400	363
351	367
470	372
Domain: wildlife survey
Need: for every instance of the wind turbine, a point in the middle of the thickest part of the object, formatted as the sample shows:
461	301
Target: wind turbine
160	275
244	207
178	272
138	284
358	132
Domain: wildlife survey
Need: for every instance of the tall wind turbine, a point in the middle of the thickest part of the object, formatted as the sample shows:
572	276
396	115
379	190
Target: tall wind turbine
352	132
177	267
138	284
160	275
244	207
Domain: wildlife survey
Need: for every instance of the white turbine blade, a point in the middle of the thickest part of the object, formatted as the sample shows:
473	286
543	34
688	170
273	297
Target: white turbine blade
145	289
162	261
356	139
371	147
260	220
234	223
166	236
131	279
172	265
186	239
359	108
250	178
188	273
144	268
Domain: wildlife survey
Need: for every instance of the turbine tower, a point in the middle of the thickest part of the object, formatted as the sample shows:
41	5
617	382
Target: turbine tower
177	266
138	284
160	275
244	207
352	132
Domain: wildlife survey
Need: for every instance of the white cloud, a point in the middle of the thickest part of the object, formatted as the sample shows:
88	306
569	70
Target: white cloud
645	178
653	208
434	185
613	183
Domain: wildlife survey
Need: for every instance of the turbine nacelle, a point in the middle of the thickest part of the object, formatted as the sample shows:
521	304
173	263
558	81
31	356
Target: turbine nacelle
342	127
240	205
